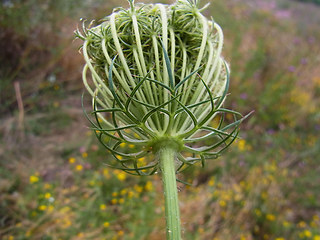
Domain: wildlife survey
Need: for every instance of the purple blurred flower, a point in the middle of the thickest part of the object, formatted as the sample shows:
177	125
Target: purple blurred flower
82	149
269	5
242	163
291	68
296	40
87	165
282	14
270	131
311	39
303	61
244	96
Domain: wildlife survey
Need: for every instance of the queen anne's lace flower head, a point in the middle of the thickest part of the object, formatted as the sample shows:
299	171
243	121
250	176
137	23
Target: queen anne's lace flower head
157	78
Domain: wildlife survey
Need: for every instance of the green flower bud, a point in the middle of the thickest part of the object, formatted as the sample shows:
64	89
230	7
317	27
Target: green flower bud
157	79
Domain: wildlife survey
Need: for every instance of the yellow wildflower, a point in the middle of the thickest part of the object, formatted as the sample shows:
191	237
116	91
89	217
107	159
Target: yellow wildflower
264	195
302	224
47	186
114	194
280	238
50	208
238	197
47	195
136	135
286	224
222	203
242	145
106	173
313	224
33	179
121	200
103	207
307	233
271	217
122	145
211	182
114	201
138	188
66	223
215	122
84	154
120	233
149	186
131	146
316	237
80	235
121	176
130	194
226	195
141	162
65	209
123	191
72	160
79	167
42	207
106	224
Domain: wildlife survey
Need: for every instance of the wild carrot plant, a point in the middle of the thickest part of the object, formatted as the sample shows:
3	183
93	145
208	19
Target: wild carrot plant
157	79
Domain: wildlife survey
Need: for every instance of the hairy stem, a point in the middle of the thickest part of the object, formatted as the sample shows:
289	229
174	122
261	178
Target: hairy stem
167	164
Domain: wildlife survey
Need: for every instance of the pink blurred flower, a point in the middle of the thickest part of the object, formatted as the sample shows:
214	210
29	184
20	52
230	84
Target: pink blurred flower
283	14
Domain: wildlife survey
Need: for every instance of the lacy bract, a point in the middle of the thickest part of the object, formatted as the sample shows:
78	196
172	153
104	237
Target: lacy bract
157	78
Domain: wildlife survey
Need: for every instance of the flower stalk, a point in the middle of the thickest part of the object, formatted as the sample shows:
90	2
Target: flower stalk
167	166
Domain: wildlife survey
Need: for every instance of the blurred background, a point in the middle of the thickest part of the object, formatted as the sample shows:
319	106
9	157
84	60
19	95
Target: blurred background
54	185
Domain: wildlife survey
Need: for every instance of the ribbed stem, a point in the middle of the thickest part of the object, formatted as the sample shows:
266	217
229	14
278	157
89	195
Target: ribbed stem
170	193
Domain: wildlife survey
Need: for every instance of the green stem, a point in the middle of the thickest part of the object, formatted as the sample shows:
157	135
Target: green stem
167	164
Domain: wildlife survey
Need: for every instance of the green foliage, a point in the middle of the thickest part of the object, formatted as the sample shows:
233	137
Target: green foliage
90	199
32	38
23	17
45	124
312	1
